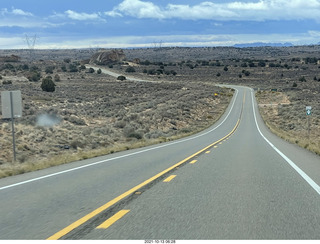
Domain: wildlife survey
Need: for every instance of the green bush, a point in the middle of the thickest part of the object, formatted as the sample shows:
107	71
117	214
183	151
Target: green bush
130	70
48	84
73	68
302	79
121	77
49	69
34	76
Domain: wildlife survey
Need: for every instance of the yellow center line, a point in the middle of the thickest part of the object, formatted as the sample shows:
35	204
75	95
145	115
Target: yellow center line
97	211
193	161
169	178
113	219
207	151
84	219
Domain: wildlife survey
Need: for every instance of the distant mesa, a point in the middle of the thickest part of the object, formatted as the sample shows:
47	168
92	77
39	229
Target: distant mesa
263	44
106	57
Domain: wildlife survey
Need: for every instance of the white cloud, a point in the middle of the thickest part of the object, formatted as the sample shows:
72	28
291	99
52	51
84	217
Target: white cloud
139	9
255	10
14	11
21	12
82	16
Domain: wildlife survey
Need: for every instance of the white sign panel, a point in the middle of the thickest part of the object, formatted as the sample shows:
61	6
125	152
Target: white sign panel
308	109
8	99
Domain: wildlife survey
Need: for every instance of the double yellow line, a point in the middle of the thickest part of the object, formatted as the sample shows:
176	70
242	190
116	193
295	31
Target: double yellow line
104	207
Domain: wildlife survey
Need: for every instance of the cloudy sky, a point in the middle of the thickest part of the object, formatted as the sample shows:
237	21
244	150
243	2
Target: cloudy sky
149	23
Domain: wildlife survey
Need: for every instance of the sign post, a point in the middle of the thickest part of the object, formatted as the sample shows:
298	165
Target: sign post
308	112
11	108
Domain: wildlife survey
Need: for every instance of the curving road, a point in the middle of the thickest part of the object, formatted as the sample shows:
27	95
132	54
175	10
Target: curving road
235	180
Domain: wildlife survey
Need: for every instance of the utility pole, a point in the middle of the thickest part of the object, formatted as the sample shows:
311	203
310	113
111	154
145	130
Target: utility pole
31	42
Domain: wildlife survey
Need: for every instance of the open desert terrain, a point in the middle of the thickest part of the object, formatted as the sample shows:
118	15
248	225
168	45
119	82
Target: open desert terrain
91	112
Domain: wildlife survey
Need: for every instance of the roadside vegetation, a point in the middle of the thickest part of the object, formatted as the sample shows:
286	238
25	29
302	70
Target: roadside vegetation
72	111
83	114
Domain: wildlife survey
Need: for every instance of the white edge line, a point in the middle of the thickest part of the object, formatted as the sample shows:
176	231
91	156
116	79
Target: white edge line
313	184
123	156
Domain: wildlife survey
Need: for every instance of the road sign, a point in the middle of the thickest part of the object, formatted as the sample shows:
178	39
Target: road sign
308	109
11	104
11	109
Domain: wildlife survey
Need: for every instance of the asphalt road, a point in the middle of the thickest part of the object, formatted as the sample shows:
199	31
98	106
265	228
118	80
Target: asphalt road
235	180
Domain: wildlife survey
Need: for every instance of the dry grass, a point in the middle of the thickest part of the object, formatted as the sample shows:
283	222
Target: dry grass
280	117
67	157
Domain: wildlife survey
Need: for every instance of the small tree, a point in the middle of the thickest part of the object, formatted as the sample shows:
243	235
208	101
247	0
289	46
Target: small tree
48	85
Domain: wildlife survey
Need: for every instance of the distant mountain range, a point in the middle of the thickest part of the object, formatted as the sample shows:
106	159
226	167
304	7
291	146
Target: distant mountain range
263	44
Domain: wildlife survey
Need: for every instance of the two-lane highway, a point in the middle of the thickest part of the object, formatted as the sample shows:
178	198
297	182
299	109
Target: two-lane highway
235	180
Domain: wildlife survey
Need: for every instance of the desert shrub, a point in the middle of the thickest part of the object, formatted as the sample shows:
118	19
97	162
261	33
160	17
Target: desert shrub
73	68
294	84
25	67
7	82
147	62
75	120
262	63
302	79
151	72
135	135
0	77
159	71
99	71
121	77
130	70
225	68
9	67
76	143
57	77
49	69
246	72
34	76
48	84
64	68
173	72
120	124
67	60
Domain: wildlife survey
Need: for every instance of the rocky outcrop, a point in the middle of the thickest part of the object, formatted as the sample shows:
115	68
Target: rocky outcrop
105	57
